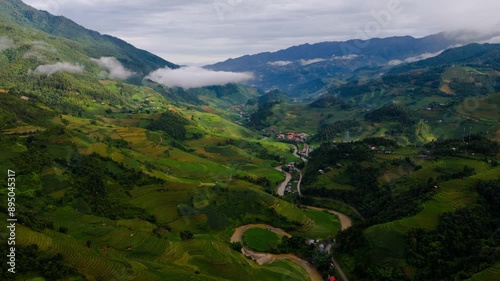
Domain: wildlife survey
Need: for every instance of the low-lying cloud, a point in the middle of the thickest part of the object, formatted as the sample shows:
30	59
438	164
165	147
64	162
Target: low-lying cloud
38	50
280	63
308	62
346	57
195	77
415	58
49	69
6	43
115	68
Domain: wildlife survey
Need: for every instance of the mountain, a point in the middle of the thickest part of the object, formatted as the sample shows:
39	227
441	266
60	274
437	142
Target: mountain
474	55
91	43
304	69
446	95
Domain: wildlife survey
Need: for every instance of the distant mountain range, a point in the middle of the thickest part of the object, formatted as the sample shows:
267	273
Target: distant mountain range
305	69
88	42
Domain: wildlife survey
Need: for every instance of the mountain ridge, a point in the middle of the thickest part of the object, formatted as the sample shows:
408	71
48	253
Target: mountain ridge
292	68
92	43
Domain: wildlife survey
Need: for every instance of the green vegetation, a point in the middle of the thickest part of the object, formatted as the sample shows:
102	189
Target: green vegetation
261	240
31	260
135	181
330	131
325	225
331	101
172	123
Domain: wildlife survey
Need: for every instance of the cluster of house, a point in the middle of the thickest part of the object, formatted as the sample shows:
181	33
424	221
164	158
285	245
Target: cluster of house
291	167
433	106
380	149
306	150
241	110
298	137
320	245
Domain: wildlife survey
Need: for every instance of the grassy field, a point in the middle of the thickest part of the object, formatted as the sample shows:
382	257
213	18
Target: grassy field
324	225
260	240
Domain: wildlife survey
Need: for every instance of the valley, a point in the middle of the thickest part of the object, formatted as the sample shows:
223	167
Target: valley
347	166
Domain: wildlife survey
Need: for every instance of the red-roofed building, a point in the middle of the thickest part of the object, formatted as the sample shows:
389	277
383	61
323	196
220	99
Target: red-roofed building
332	278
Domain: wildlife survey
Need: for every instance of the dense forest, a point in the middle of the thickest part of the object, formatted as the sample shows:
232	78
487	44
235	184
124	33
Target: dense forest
465	241
172	123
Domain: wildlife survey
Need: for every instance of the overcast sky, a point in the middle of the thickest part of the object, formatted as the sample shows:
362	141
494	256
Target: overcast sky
198	32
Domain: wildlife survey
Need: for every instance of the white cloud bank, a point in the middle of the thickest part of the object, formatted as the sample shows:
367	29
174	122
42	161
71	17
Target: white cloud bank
115	68
415	58
37	51
346	57
195	77
308	62
5	43
280	63
49	69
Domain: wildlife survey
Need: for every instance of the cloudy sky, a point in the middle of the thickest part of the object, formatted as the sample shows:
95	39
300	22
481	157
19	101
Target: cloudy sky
198	32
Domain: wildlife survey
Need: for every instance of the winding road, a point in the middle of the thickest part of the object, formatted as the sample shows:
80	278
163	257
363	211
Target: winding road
288	176
345	221
295	150
265	258
282	186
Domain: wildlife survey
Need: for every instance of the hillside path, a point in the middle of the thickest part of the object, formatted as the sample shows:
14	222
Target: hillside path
282	187
265	258
345	221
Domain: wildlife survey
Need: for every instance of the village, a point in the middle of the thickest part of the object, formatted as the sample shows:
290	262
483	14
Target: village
297	137
380	149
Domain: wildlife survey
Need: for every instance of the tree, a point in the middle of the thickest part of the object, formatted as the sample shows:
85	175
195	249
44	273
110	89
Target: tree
237	246
186	235
321	260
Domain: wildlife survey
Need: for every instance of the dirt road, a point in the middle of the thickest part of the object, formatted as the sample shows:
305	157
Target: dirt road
265	258
282	187
345	221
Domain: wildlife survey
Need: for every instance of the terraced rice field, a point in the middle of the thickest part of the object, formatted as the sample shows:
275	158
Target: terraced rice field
290	211
260	240
490	274
324	225
23	130
139	141
76	253
162	204
221	127
388	239
387	243
191	256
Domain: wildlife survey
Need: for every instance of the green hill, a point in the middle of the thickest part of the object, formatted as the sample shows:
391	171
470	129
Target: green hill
438	98
88	42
